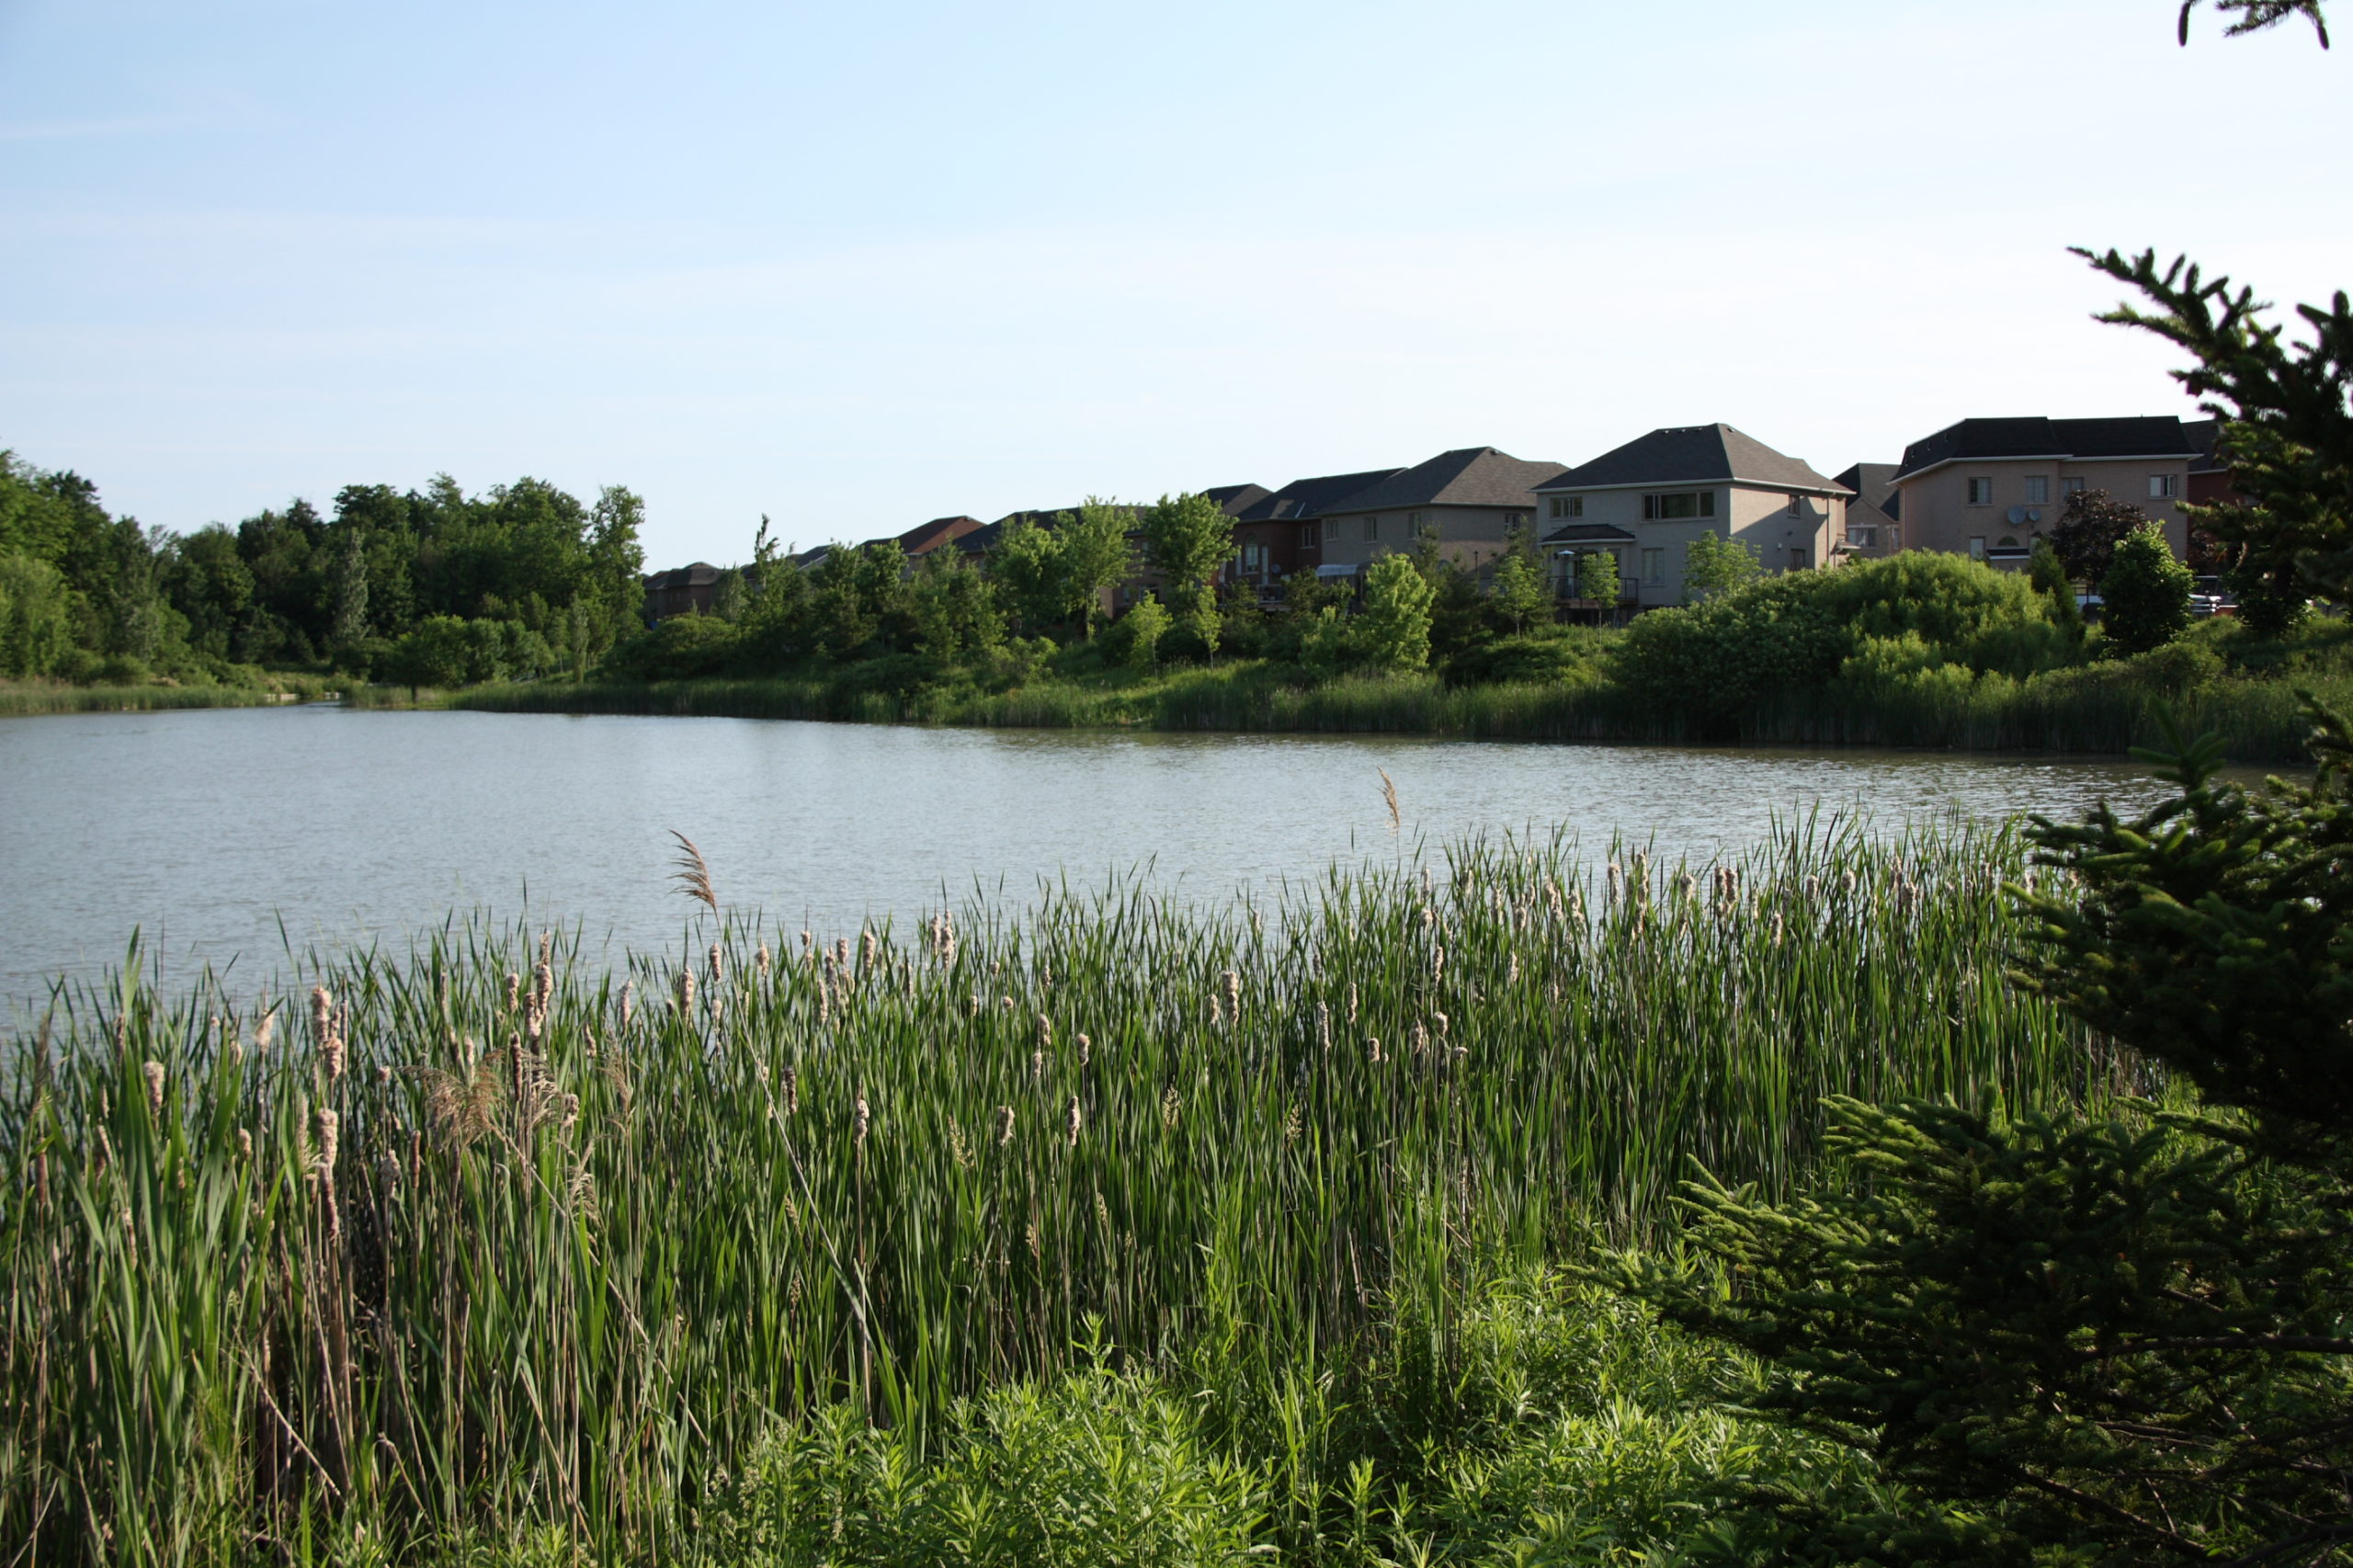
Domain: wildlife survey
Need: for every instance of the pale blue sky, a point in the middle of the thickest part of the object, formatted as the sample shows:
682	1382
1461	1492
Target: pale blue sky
855	266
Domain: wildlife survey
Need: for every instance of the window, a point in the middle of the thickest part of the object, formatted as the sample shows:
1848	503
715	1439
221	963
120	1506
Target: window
2037	489
1412	519
1515	520
1797	506
1675	503
2164	486
1330	527
1980	491
1372	528
1977	547
1654	567
1307	537
1863	536
2072	486
1565	506
1799	558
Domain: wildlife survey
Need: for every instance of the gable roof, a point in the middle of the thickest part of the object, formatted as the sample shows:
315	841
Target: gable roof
2157	436
1874	487
1467	476
1305	497
699	574
1234	499
1694	454
2203	434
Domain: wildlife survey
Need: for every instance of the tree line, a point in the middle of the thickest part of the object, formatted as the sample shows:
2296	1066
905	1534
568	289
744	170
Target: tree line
523	579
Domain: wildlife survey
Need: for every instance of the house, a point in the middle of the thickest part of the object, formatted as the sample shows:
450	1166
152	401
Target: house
1989	488
2210	476
1278	533
925	538
1646	500
1468	500
682	590
1875	517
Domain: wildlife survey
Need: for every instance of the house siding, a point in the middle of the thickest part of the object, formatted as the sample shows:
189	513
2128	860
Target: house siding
1470	536
1758	518
1938	513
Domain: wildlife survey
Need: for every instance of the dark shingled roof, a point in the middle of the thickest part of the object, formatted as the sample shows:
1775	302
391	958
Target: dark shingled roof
1467	476
1305	497
695	576
1235	499
2158	436
1874	487
2202	434
1693	454
1587	533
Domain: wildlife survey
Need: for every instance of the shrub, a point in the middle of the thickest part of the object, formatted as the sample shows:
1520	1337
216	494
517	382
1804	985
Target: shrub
680	648
2145	594
1136	637
1393	632
1547	658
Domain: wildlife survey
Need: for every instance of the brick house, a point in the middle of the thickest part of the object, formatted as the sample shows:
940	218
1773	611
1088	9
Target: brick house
1989	488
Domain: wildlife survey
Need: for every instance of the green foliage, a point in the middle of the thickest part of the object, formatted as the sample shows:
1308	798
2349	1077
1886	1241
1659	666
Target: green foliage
1189	539
1519	592
36	616
1797	630
1715	566
1394	631
1597	576
1557	655
444	650
2048	573
2145	592
1095	557
1141	630
955	608
2286	430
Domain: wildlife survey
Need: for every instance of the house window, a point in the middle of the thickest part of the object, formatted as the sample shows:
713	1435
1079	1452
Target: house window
1863	536
1673	504
1797	506
1307	537
1514	520
2037	489
1565	506
2164	486
1330	527
1977	547
1654	567
1372	528
2072	486
1980	491
1412	519
1799	558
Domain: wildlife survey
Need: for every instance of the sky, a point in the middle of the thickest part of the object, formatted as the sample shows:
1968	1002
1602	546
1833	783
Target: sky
854	266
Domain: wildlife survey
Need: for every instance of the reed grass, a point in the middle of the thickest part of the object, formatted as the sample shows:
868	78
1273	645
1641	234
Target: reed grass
480	1238
2091	711
26	698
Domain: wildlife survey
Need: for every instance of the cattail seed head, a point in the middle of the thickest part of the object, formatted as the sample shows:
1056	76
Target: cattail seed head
718	965
1616	880
1441	1020
264	1031
154	1073
865	1120
1372	1049
1085	1050
1233	996
867	944
686	988
791	1090
628	1001
325	1129
1324	1027
1004	1125
1076	1119
1045	1031
1352	1001
245	1143
542	978
764	961
1172	1105
1037	1065
514	990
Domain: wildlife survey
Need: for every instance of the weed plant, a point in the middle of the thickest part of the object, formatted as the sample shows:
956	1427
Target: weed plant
478	1242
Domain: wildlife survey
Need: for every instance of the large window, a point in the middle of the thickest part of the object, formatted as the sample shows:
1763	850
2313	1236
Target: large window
1797	506
1330	527
2164	486
1863	536
2072	486
1668	505
2037	489
1307	537
1372	528
1654	567
1567	506
1980	491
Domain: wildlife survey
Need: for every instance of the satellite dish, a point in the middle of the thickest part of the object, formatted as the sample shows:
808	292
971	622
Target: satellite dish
2017	514
2034	514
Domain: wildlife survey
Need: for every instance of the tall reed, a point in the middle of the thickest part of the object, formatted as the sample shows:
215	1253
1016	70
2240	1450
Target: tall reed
480	1238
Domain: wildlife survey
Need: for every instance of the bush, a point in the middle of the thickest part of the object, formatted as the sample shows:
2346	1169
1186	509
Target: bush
680	648
1135	638
1393	632
1546	658
2146	594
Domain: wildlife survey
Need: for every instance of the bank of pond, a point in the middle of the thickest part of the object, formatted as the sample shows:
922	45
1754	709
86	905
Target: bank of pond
1111	1229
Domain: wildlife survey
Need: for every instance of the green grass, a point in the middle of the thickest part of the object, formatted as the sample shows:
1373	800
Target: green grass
18	698
580	1252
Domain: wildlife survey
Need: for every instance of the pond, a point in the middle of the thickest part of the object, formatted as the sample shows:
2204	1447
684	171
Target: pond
242	834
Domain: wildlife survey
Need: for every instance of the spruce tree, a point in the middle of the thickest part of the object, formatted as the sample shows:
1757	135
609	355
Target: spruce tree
2145	594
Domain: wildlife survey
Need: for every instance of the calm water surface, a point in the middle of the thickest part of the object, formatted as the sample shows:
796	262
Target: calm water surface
226	835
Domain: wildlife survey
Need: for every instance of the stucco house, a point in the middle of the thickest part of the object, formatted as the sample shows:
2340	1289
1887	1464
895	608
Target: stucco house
1469	498
1658	493
1875	517
1988	488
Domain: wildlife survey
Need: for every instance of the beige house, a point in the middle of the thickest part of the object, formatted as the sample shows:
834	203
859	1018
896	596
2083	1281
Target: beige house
1989	488
1469	499
1646	500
